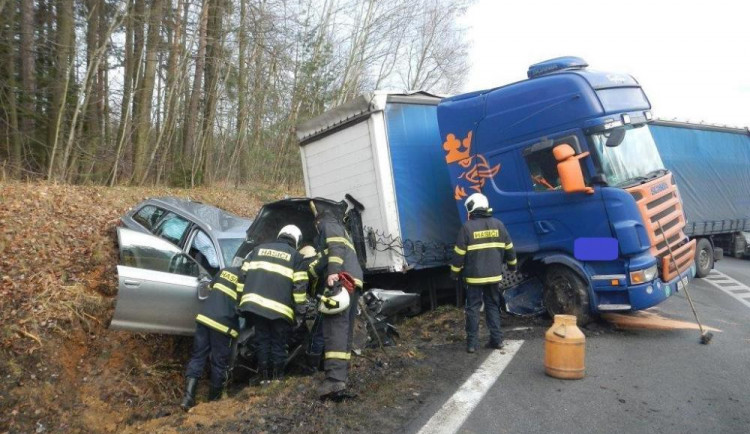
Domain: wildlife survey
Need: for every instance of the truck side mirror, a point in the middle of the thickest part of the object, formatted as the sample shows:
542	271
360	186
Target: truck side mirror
569	169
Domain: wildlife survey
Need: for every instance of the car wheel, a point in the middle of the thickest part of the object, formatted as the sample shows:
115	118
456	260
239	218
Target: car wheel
704	258
565	292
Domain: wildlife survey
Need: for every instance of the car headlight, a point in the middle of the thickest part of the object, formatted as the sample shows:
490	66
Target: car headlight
643	276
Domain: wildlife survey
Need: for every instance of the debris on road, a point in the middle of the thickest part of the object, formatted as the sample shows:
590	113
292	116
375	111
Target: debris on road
650	320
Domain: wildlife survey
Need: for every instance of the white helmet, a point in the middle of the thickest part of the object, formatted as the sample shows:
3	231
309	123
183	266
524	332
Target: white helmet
476	201
308	252
292	232
333	304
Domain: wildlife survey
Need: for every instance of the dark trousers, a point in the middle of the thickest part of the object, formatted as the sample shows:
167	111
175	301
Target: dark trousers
474	296
338	331
209	342
270	340
317	343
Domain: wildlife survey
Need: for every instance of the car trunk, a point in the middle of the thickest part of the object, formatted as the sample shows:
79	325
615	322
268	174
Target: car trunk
295	211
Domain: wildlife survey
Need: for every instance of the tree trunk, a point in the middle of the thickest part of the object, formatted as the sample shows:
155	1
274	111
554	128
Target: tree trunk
146	90
63	67
214	48
191	117
93	109
27	75
12	106
241	122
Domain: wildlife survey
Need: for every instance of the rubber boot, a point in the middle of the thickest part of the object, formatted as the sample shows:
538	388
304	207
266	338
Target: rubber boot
312	363
278	372
263	373
188	401
215	393
330	388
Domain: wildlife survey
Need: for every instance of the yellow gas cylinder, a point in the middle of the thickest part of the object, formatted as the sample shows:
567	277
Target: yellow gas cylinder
565	349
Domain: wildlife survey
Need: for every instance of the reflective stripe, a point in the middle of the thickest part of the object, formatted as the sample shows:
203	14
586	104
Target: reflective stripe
268	304
508	246
341	240
456	269
513	262
358	283
335	260
311	268
225	289
300	297
240	287
300	276
268	266
338	355
486	246
491	279
208	322
459	251
228	275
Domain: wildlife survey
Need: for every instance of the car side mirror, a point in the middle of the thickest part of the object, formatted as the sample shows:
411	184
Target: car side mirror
569	169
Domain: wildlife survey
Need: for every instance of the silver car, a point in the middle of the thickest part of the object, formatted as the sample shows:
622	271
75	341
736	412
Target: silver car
168	246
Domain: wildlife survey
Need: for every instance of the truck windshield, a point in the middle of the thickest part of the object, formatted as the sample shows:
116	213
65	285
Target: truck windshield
634	160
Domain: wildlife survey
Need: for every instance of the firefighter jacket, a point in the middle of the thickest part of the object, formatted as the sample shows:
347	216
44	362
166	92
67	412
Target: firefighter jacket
316	268
219	310
275	281
336	245
482	246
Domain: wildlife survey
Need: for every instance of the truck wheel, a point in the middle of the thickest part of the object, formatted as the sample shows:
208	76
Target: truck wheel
704	258
566	293
739	247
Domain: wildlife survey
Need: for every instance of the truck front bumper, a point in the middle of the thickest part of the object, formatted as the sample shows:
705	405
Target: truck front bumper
651	294
639	297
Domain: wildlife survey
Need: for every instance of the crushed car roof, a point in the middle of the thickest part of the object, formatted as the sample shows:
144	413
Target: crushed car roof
221	223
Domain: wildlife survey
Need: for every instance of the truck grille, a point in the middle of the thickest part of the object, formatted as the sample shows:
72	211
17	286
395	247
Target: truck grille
659	203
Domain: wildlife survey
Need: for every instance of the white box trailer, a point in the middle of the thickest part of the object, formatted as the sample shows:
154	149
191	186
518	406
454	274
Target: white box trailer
384	150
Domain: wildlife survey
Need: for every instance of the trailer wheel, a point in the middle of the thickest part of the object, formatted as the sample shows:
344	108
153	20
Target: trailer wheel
704	258
739	246
565	292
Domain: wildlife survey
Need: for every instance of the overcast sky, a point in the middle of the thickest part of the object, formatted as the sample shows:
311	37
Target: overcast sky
691	57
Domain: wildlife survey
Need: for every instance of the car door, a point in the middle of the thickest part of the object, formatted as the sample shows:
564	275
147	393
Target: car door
158	286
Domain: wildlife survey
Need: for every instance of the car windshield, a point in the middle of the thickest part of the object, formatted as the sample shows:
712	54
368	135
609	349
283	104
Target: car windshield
229	247
634	160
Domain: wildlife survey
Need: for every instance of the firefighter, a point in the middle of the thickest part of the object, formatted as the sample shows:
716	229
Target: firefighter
275	288
335	246
217	325
315	263
482	246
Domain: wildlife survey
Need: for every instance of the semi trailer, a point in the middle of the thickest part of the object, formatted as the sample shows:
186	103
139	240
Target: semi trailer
566	159
711	166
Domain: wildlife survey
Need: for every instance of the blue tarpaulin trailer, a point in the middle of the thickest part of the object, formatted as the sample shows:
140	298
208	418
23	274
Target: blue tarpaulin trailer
711	166
383	150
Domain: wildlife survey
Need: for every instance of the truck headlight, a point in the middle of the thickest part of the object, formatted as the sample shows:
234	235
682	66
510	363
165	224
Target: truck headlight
643	276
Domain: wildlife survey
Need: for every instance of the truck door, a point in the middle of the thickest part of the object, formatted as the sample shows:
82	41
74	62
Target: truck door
507	195
558	217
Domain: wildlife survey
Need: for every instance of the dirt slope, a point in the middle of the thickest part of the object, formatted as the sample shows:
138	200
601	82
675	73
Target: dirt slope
60	368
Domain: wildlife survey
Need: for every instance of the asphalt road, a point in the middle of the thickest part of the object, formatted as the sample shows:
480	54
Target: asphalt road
636	380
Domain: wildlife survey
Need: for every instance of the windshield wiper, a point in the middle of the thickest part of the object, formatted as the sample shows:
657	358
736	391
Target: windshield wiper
642	179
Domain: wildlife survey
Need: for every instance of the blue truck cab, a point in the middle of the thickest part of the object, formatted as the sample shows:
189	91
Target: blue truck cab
569	164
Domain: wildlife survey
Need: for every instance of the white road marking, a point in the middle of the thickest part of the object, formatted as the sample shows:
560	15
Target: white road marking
717	276
456	410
